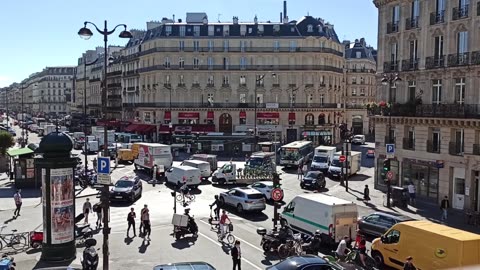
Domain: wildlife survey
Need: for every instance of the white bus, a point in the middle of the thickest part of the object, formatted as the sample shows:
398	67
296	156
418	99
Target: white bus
296	153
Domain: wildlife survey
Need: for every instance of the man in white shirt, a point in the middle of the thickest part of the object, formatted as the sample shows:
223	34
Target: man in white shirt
342	249
411	193
18	203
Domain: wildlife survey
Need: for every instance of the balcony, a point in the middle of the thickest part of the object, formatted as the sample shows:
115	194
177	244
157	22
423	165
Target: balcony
167	85
130	73
455	148
433	147
248	67
462	111
411	23
437	17
460	12
115	73
391	66
115	96
308	85
389	140
111	85
228	105
292	85
392	27
195	84
475	58
408	144
210	85
410	64
225	85
458	59
432	62
114	108
476	147
181	84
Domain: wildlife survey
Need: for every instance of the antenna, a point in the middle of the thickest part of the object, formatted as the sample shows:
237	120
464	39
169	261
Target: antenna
218	17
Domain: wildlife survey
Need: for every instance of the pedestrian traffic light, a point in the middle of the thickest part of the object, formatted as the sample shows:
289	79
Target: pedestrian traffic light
386	165
276	180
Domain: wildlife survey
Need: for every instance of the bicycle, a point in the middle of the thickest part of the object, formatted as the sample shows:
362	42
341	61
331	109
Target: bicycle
291	247
185	198
16	241
228	236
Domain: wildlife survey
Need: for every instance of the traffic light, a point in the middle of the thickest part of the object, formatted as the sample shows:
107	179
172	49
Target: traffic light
276	180
386	165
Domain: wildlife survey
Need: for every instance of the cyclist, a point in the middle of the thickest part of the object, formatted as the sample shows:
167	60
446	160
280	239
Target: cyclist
223	223
217	208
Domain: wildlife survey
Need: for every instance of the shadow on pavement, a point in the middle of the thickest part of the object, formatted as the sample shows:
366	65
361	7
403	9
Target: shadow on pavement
185	242
49	265
359	177
6	192
143	247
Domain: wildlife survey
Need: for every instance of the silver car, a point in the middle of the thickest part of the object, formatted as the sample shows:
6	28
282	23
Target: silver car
243	199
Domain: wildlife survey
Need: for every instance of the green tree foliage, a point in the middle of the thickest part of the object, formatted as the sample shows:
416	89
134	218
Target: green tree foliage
6	141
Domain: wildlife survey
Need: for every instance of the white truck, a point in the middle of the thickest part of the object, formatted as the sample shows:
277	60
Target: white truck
49	129
354	162
99	134
332	216
228	174
147	155
322	157
91	145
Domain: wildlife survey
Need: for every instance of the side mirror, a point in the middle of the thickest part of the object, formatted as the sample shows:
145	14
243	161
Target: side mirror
383	239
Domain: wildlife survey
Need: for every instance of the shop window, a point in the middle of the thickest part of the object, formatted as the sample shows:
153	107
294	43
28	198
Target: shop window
147	117
309	119
321	119
243	121
268	121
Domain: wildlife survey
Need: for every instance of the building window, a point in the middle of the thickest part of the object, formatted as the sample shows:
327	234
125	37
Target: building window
167	62
393	53
438	53
243	80
243	98
276	45
147	117
354	92
210	45
358	55
309	120
168	30
181	62
393	93
181	45
396	14
167	79
211	80
226	63
259	98
259	80
462	47
181	80
182	31
226	80
196	30
413	50
196	45
225	45
433	145
322	99
210	62
460	90
412	91
309	28
243	62
210	98
293	45
195	63
362	92
243	45
437	92
354	80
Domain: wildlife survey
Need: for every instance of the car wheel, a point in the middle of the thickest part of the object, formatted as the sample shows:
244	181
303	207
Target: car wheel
222	201
239	208
377	256
302	186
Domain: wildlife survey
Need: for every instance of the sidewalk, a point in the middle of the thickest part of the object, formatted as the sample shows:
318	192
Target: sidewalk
423	210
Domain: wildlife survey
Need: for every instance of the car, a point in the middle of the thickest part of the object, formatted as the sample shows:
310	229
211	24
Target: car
376	224
126	188
185	265
358	139
243	199
370	153
265	187
313	179
305	262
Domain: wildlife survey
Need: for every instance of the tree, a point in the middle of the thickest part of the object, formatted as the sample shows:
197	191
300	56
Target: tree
6	141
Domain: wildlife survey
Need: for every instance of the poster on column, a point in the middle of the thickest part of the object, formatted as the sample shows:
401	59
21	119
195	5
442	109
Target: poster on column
62	212
44	205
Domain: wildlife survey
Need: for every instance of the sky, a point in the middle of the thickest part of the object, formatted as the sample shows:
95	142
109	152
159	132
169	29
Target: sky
41	33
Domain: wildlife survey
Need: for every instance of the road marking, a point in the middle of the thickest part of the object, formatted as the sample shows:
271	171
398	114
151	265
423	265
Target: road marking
218	244
236	237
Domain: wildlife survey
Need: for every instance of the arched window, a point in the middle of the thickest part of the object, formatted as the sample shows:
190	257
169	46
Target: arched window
309	119
321	119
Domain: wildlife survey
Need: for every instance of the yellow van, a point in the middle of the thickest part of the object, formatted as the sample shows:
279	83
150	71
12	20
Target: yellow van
432	246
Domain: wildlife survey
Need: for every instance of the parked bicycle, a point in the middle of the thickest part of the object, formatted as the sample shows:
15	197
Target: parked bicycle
291	247
13	240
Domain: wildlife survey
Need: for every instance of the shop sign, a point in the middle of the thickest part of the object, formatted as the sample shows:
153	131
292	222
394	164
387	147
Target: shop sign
440	164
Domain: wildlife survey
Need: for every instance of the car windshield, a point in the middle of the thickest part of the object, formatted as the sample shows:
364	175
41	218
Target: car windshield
320	159
255	196
124	184
311	175
336	163
358	137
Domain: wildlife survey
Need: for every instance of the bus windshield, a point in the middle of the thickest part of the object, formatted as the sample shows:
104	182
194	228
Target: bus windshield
290	154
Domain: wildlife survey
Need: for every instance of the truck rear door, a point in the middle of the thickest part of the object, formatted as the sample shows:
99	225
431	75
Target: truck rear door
345	225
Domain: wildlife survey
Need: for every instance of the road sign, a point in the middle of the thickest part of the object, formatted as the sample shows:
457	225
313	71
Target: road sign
390	148
389	175
342	158
277	194
103	165
104	179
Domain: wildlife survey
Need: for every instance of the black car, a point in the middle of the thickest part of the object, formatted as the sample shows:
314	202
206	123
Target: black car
306	262
126	189
378	223
185	265
314	180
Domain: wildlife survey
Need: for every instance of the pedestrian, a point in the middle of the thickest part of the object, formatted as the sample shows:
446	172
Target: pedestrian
223	223
145	217
411	193
87	208
17	197
366	194
97	208
299	172
236	253
95	163
408	264
131	221
304	168
155	172
444	205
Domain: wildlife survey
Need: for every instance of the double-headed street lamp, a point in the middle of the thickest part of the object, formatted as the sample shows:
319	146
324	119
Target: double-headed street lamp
389	80
86	33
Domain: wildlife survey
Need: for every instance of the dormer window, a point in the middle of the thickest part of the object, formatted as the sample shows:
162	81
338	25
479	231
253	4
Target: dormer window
358	54
168	30
182	31
309	28
250	30
292	29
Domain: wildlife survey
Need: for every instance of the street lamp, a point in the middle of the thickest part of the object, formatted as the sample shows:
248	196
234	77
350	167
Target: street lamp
6	103
85	141
170	125
24	130
390	80
86	33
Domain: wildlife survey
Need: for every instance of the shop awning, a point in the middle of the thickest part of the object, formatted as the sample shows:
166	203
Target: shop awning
203	128
268	115
291	116
145	129
243	114
188	115
164	129
210	115
168	115
131	128
19	151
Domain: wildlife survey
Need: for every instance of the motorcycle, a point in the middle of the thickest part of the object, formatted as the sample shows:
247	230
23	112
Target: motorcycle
82	231
90	255
190	228
293	246
311	245
7	263
270	239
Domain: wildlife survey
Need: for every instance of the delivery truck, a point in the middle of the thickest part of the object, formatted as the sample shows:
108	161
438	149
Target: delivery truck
322	157
147	155
228	174
99	134
353	163
332	216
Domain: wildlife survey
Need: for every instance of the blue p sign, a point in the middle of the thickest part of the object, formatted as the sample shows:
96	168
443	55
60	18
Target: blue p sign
390	148
103	165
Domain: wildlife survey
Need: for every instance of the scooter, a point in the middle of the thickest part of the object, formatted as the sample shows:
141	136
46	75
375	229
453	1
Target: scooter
7	263
191	228
90	255
82	231
36	239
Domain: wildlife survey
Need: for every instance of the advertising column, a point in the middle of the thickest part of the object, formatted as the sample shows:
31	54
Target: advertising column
62	210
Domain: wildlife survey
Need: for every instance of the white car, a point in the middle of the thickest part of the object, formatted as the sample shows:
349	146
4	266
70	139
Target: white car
265	187
358	139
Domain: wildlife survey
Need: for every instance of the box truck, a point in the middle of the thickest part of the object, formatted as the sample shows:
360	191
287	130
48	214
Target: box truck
147	155
323	156
353	163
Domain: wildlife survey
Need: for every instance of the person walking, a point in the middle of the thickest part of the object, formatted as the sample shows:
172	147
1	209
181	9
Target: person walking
444	205
300	172
408	264
17	197
366	194
131	221
236	253
97	208
411	193
304	169
87	208
147	229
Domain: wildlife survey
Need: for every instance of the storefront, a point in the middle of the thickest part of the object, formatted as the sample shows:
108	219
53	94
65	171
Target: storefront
424	175
188	118
268	118
318	137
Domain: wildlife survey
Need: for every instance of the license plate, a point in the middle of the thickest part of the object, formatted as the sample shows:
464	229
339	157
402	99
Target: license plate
118	197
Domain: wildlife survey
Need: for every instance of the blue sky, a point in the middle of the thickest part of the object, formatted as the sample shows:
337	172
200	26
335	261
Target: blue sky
40	33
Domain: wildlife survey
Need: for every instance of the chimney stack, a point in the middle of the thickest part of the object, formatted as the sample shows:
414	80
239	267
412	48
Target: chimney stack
285	17
281	17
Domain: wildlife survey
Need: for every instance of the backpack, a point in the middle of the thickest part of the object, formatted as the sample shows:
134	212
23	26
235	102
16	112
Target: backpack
96	207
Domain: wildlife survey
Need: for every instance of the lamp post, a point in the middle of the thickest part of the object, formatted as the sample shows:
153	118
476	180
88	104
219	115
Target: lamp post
24	130
170	125
86	33
6	104
390	80
85	64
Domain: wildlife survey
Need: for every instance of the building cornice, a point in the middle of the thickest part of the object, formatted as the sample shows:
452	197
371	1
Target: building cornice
379	3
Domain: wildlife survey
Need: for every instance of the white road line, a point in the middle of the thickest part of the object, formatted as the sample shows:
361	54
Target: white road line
236	237
218	244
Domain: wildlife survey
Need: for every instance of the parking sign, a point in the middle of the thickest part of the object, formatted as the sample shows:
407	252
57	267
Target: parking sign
103	165
390	149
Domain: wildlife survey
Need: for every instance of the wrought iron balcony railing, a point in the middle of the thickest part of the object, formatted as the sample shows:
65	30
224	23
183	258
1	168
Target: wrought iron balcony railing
470	111
458	59
432	62
433	147
240	67
455	148
390	66
230	105
392	27
411	23
408	144
460	12
410	64
437	17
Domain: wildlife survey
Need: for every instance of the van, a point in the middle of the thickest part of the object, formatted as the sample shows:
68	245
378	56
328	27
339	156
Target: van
212	159
177	175
323	157
333	217
203	166
432	246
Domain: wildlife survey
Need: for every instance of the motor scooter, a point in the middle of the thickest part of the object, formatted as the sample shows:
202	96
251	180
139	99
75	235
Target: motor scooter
36	239
7	263
190	228
90	255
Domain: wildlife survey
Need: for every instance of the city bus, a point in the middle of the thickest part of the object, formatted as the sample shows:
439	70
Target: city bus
296	153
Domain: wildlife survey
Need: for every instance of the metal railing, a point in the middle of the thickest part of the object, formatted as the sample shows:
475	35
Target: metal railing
460	12
241	67
392	27
458	59
432	62
231	105
410	64
408	144
437	17
455	148
390	66
411	23
433	147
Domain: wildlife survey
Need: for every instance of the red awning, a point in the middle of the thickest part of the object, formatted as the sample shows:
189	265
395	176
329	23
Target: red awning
203	128
168	115
268	115
210	115
188	115
131	128
164	129
243	114
291	116
183	129
145	129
